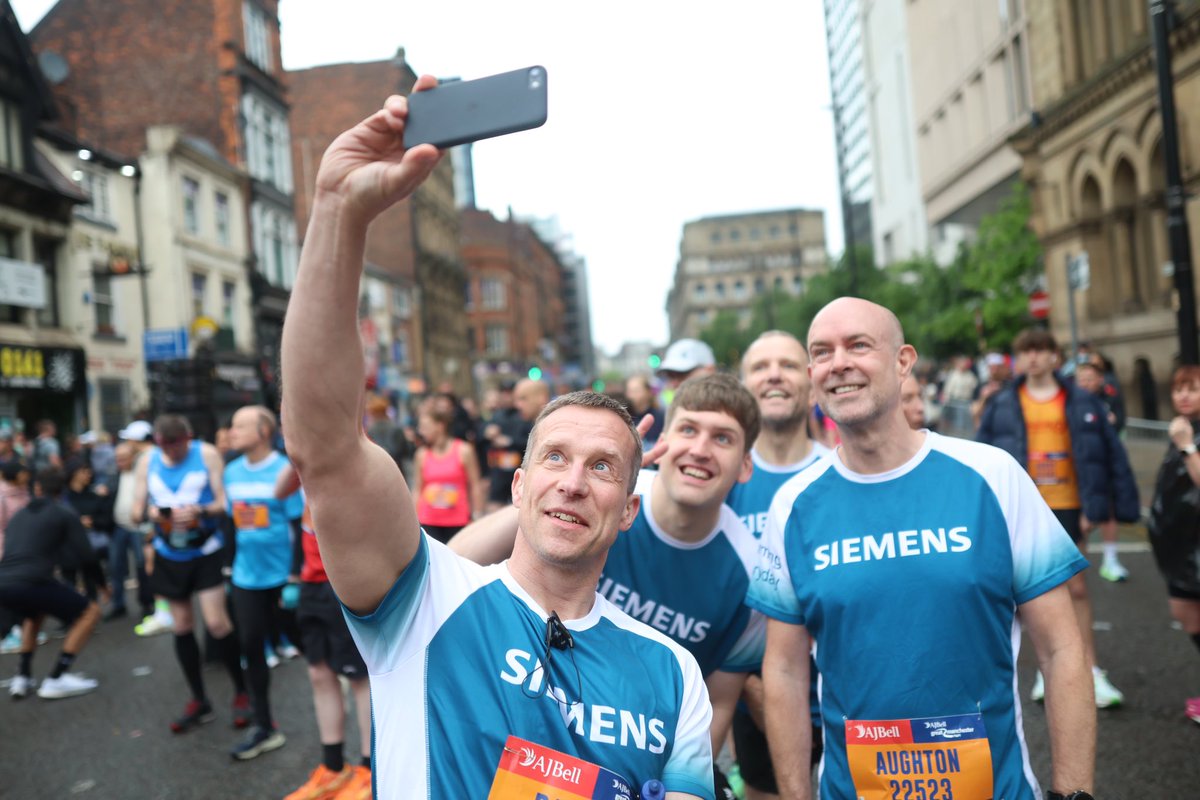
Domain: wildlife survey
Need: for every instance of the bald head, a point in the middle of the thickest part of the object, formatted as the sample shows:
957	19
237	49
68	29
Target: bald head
530	397
872	317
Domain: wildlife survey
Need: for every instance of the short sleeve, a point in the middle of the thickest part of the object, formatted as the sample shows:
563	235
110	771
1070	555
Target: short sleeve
771	589
293	505
1043	554
747	652
689	767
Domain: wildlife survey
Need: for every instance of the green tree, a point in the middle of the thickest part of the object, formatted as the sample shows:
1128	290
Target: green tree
726	338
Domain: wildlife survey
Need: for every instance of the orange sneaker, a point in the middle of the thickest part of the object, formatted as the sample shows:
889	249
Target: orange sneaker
323	784
358	788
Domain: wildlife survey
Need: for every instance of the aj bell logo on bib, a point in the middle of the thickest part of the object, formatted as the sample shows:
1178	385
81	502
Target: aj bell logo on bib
530	771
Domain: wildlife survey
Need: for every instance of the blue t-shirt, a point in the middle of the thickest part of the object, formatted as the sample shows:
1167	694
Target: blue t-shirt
174	486
455	654
910	581
264	537
695	592
752	500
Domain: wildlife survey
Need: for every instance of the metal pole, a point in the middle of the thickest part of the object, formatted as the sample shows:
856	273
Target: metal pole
1178	235
1071	308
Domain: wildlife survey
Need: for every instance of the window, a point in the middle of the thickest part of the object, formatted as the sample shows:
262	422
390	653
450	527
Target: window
739	290
115	412
12	146
199	290
401	303
268	142
735	235
95	184
773	231
8	249
493	293
274	243
255	31
400	348
755	234
45	252
719	289
228	300
497	340
716	237
191	206
104	305
221	217
699	291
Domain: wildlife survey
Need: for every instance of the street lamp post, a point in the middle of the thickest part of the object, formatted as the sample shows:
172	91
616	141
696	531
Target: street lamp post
1178	236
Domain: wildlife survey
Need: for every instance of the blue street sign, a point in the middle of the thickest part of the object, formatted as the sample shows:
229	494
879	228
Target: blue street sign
165	344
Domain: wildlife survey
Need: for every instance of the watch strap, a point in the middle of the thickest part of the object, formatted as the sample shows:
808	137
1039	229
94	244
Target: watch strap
1188	449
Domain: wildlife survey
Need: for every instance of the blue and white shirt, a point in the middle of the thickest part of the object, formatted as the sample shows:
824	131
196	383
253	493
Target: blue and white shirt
695	592
264	537
174	486
910	581
752	500
455	652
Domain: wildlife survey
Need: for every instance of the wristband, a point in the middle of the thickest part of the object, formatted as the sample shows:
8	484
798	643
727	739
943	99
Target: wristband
1188	449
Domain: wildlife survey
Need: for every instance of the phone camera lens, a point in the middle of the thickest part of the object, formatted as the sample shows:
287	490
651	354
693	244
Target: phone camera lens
535	78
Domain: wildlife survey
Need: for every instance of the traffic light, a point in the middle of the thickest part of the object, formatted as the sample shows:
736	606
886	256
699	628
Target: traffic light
654	361
597	386
535	373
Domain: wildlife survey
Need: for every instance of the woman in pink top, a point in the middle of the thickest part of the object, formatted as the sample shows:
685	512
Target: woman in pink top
446	484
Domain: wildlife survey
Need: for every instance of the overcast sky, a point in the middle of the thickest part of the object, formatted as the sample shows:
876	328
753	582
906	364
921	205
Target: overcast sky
661	112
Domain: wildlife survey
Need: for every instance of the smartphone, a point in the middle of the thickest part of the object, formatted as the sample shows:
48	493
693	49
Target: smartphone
467	111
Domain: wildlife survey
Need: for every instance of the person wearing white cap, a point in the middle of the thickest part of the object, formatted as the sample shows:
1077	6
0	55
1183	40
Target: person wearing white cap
686	358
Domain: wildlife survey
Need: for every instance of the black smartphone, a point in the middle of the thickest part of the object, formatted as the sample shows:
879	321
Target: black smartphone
467	111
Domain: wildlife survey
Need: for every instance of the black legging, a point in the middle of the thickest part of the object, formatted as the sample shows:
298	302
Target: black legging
257	611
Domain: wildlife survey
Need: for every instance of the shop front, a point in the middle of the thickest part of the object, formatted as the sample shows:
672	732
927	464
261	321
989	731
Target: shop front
43	383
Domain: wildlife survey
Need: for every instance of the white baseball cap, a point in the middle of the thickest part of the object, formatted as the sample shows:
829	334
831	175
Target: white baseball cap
137	431
686	355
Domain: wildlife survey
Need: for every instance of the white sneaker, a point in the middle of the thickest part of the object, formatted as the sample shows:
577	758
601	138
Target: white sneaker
19	686
68	684
288	651
1114	571
272	659
1038	693
1107	695
153	625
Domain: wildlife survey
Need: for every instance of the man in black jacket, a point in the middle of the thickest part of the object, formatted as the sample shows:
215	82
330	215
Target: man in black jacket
38	535
1062	435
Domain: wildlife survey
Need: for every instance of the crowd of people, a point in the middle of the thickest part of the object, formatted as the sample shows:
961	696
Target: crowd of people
705	575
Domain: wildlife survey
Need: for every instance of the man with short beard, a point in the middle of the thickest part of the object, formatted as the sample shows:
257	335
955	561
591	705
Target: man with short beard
908	556
775	371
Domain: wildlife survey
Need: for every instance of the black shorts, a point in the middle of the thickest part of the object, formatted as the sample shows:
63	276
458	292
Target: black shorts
1180	593
500	486
42	598
179	580
1069	519
753	755
325	633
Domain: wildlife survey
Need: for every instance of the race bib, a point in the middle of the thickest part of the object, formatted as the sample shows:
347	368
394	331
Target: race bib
441	495
935	758
529	771
247	516
505	460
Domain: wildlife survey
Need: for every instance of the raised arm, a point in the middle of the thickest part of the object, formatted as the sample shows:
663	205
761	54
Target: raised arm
360	505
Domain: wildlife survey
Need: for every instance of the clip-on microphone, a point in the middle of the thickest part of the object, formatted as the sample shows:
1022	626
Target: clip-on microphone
557	635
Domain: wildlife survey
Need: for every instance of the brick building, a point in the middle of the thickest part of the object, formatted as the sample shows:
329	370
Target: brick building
212	68
516	312
414	288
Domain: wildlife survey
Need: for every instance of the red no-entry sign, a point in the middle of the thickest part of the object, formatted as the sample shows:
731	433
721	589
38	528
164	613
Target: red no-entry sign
1039	305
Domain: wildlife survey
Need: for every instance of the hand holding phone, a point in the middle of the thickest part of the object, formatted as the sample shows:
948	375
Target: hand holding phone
466	111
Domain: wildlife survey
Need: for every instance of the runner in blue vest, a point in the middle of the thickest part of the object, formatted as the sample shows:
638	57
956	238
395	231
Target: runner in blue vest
775	371
179	488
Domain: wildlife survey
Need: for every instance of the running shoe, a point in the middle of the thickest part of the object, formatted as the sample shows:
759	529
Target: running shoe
68	684
258	742
358	787
12	642
323	784
1038	693
288	651
1107	695
241	711
195	714
1114	571
153	625
1193	709
19	686
272	658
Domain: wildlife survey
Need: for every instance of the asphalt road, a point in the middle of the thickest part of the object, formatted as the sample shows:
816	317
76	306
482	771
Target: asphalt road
114	743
